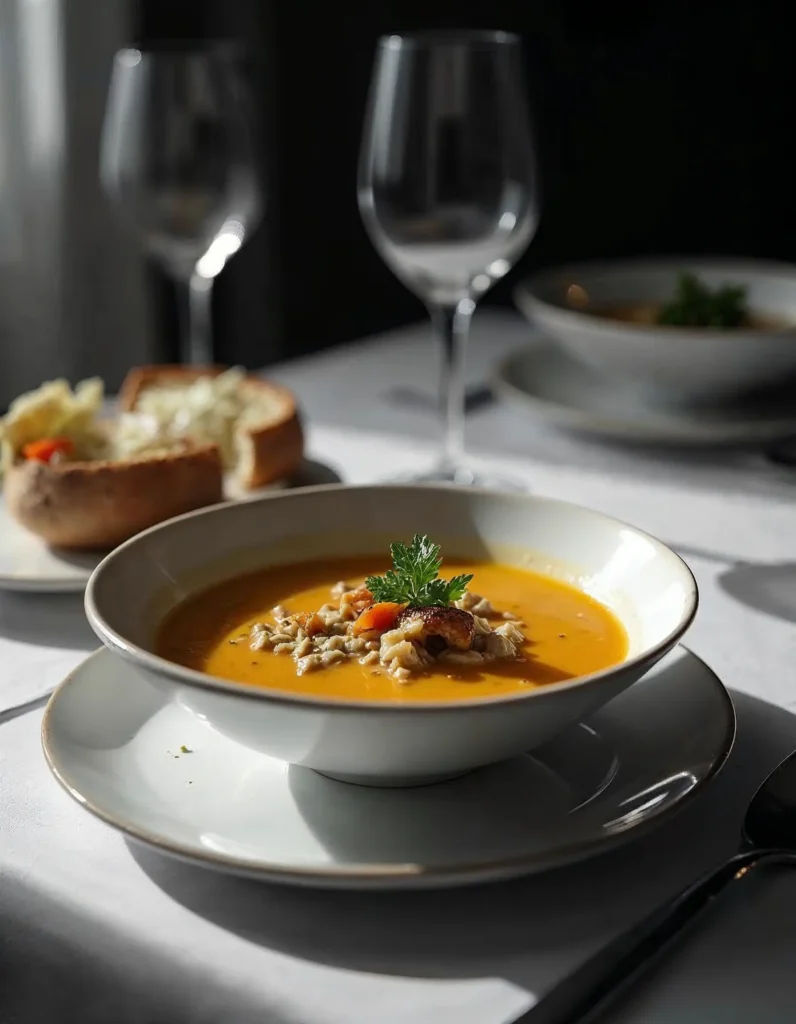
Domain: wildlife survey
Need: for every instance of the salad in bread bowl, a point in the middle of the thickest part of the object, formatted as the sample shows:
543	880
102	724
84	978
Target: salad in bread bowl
182	438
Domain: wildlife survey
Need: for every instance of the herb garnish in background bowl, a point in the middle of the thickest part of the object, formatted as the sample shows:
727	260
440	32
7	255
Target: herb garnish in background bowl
695	304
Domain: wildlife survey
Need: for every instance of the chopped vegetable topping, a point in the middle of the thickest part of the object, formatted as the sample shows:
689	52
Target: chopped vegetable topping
47	448
413	580
381	617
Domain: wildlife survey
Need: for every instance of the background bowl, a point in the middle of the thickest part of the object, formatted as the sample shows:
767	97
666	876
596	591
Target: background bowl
671	364
646	584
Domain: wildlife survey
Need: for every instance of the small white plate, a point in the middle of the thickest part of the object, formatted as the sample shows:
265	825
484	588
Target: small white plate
27	563
116	745
550	384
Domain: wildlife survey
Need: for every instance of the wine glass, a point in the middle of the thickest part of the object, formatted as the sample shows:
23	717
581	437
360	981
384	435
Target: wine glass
178	160
447	188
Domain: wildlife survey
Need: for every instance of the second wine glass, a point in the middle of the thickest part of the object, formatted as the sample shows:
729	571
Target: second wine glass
178	161
447	188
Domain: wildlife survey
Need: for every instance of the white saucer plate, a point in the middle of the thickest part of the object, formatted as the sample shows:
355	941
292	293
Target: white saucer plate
27	563
548	383
163	776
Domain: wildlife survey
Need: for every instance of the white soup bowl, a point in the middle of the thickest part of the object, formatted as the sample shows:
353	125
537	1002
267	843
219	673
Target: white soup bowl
647	586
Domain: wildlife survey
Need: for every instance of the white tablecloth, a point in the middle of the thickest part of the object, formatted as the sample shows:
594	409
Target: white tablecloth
127	931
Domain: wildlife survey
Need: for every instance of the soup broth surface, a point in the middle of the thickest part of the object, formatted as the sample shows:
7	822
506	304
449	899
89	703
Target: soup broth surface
647	313
568	634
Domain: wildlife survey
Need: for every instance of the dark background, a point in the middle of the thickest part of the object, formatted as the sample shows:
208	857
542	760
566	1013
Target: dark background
661	128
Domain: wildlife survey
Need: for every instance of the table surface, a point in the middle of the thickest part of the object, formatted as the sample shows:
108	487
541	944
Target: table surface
160	940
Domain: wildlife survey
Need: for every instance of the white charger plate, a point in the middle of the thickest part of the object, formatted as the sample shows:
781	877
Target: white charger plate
27	563
116	745
548	383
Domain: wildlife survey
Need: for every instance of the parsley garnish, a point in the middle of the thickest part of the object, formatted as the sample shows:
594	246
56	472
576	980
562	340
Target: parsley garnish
413	579
697	305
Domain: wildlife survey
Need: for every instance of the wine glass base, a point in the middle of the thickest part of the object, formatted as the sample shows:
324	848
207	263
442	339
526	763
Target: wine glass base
464	476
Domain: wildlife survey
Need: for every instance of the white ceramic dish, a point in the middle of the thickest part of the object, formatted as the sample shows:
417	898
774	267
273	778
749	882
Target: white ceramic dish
648	586
548	383
114	743
27	563
672	364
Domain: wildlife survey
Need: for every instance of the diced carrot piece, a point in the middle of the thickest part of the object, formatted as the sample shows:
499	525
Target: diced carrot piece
311	623
47	447
379	617
358	599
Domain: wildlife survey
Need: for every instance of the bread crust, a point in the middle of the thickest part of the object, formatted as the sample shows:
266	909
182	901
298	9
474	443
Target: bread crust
97	505
277	445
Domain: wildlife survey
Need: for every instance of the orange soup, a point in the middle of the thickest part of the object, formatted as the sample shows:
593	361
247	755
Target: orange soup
557	632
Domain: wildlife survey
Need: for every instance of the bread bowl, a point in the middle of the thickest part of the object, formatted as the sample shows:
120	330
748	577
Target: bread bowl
97	504
264	441
79	481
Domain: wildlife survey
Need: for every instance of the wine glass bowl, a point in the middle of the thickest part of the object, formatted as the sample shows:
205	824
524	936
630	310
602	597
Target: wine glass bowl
178	162
447	184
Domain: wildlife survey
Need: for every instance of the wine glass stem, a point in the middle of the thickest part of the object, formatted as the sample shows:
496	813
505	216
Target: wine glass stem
452	328
196	329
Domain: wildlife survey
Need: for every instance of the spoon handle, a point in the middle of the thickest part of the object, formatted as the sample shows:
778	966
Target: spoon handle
578	997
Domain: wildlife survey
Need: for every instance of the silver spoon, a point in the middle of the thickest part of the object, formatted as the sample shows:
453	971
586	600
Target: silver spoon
769	828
